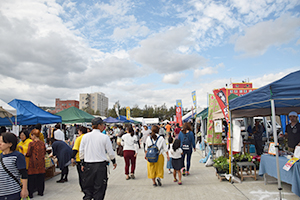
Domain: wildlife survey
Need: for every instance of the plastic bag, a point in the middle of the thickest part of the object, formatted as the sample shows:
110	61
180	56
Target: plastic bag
297	152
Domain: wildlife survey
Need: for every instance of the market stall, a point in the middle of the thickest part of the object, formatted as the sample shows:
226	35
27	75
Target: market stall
277	98
29	114
7	111
292	176
111	120
74	115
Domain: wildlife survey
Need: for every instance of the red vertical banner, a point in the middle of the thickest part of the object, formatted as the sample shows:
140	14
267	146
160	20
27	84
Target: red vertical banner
178	115
220	95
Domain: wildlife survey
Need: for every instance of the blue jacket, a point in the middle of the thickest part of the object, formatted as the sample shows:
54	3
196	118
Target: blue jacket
190	136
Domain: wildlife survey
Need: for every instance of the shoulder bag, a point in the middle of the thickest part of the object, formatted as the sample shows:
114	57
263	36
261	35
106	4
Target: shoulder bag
9	173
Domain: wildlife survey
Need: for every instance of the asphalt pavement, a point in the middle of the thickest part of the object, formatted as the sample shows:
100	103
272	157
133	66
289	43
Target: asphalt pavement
202	183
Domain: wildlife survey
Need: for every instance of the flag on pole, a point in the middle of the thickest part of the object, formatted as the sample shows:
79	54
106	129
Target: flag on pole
117	108
194	99
220	95
128	113
179	112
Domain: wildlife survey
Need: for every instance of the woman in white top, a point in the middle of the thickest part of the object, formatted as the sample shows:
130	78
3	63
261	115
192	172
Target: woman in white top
177	162
156	170
130	149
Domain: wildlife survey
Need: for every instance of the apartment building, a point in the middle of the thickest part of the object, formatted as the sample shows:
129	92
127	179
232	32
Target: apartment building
96	101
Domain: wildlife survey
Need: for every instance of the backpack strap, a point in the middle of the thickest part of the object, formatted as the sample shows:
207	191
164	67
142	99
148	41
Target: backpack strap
155	141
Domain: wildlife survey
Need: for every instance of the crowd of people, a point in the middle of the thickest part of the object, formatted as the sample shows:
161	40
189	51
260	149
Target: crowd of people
24	157
22	169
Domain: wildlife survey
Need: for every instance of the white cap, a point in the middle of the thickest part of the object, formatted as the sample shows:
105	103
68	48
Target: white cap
293	113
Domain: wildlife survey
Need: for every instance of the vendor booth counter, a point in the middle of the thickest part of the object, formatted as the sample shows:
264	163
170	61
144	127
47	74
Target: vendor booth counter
268	166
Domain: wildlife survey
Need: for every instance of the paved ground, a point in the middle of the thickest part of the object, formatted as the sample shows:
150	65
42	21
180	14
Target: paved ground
201	184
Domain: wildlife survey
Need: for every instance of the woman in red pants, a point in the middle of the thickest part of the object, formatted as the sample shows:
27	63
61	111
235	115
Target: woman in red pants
130	148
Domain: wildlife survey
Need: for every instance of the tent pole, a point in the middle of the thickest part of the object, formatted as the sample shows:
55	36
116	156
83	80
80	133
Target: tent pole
230	145
276	146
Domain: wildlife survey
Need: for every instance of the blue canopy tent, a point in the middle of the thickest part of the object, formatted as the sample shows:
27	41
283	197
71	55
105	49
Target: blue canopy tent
29	114
111	120
123	119
277	98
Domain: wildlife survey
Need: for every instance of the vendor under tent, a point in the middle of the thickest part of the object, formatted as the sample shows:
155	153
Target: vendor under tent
111	120
277	98
29	114
7	111
73	115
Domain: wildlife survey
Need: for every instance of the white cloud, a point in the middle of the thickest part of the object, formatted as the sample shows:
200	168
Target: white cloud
173	78
207	70
269	78
135	30
31	52
160	52
260	37
204	71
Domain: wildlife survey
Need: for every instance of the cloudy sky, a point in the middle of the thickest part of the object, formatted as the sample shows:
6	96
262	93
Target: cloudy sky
143	51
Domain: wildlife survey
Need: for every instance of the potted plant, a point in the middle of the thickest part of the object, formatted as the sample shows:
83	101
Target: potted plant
221	165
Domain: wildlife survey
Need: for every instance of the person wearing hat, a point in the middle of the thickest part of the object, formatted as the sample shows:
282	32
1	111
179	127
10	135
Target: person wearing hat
92	152
292	132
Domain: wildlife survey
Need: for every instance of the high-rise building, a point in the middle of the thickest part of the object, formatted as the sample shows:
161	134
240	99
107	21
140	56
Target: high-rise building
96	101
64	104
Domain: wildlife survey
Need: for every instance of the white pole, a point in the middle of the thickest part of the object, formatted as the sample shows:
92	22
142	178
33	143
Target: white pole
276	145
231	141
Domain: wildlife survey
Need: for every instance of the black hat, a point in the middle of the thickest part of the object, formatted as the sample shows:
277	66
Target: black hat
97	120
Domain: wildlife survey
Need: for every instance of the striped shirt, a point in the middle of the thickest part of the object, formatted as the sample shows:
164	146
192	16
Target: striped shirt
13	162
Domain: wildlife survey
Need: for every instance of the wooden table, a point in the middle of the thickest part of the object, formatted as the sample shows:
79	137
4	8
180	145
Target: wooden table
248	166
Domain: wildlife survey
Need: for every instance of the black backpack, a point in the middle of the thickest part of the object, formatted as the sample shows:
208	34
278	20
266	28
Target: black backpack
186	142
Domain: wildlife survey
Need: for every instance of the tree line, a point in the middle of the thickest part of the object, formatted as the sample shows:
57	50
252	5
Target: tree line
161	112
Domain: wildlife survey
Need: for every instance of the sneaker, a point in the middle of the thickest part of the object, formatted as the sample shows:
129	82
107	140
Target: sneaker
65	179
60	181
183	172
154	184
187	173
179	183
158	181
170	172
132	176
175	180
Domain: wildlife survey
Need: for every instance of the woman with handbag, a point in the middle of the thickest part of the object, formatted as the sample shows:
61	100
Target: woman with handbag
12	169
130	149
36	169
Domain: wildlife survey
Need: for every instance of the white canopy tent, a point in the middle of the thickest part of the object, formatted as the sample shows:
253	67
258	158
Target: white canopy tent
7	111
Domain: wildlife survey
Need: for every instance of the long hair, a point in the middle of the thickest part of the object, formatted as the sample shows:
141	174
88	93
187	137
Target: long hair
131	131
154	130
170	141
176	144
186	127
